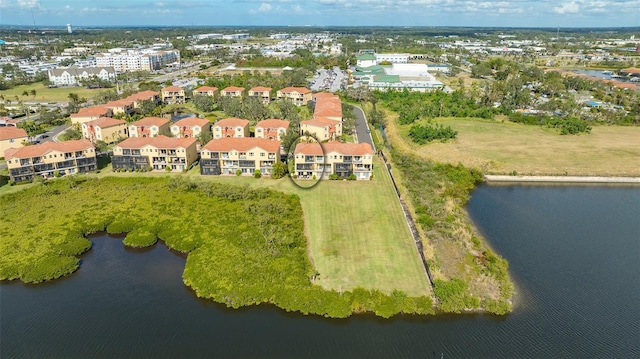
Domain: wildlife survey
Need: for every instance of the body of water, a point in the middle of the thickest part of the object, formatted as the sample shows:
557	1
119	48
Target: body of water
574	252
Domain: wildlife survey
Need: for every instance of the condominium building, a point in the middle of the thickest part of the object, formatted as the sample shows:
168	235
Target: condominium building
297	95
191	127
12	137
149	127
154	153
231	127
328	106
119	107
232	91
271	129
262	93
105	129
342	159
147	95
206	91
51	158
321	128
73	76
228	155
173	94
123	60
91	113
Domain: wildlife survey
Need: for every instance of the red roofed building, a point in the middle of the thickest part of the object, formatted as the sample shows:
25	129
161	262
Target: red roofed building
120	106
8	121
155	153
329	107
321	128
232	91
147	95
206	91
190	127
231	127
50	158
149	127
91	113
631	71
228	155
262	93
11	137
271	129
297	95
172	94
341	159
105	129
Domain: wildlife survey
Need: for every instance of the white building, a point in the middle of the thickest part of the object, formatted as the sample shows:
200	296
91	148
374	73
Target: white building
123	60
392	58
73	75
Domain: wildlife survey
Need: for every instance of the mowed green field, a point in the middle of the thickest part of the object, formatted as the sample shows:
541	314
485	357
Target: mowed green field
357	233
46	94
501	148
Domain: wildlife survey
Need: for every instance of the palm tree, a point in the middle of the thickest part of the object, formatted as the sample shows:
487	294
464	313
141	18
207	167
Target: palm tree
33	93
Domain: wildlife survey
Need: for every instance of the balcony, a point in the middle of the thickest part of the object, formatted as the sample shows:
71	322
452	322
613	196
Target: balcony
347	158
363	168
304	167
65	164
341	167
43	167
308	158
21	171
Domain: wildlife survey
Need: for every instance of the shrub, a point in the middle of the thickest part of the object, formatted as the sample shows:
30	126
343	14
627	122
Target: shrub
352	177
238	172
257	174
334	177
424	134
313	177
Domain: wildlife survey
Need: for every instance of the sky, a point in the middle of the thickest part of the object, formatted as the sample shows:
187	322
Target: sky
518	13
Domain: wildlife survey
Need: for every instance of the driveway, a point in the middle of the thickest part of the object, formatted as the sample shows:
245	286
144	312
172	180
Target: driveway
362	130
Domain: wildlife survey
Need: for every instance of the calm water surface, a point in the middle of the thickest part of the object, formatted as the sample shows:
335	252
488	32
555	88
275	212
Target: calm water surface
574	252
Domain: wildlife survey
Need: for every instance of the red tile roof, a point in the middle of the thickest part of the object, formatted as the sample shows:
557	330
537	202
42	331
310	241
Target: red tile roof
143	95
43	148
320	122
260	89
8	132
105	122
206	89
150	121
323	95
631	70
172	89
273	123
328	107
242	144
191	121
314	148
92	111
302	90
232	122
233	89
119	103
157	142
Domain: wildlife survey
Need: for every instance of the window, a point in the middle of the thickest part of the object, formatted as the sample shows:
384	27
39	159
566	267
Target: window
261	154
250	154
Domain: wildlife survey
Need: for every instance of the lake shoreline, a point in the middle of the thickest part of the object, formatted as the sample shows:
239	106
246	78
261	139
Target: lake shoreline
561	179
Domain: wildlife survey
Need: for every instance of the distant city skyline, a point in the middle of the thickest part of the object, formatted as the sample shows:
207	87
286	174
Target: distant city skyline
519	13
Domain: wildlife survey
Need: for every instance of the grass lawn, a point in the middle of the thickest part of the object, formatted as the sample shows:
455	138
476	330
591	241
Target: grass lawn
357	233
46	94
500	148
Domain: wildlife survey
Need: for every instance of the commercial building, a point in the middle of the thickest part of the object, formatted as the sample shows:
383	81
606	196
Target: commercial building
159	153
228	155
392	58
105	129
231	127
50	159
11	137
73	76
190	127
271	129
342	159
297	95
366	60
149	127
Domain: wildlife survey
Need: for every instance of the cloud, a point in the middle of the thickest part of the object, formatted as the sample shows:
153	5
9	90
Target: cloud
265	7
29	4
568	8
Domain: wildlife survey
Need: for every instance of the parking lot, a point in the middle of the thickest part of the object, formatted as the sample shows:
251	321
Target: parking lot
328	80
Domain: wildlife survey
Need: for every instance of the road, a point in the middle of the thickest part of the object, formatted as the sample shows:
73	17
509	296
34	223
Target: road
362	129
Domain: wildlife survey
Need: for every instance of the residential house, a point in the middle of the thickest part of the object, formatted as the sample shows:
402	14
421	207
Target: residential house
105	129
232	91
154	153
47	159
172	94
231	127
11	137
271	129
262	93
149	127
321	128
228	155
190	127
206	91
342	159
91	113
297	95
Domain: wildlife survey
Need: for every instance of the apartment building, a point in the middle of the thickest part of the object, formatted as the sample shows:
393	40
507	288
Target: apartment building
342	159
123	60
262	93
328	106
50	158
91	113
271	129
228	155
119	107
206	91
172	94
231	127
149	127
8	122
154	153
321	128
147	95
73	76
297	95
105	129
11	137
191	127
232	91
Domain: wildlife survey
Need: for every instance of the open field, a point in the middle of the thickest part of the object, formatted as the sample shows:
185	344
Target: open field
356	230
501	148
46	94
